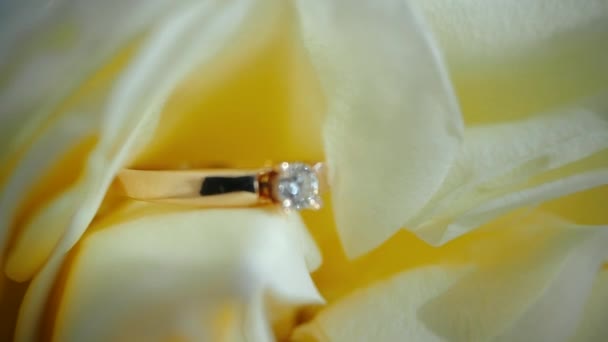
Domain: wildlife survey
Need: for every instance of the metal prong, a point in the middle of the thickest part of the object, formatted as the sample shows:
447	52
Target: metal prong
315	203
322	174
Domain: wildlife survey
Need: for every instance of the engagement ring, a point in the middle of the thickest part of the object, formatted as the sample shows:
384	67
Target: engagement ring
293	186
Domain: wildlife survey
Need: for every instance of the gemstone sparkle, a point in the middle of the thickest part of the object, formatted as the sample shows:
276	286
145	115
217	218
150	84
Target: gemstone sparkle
297	186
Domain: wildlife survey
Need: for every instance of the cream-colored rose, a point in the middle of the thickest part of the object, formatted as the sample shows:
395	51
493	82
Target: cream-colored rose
452	131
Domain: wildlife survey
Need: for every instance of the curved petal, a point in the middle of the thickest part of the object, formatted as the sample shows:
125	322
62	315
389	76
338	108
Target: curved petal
511	59
51	82
383	312
393	125
503	292
593	324
52	88
176	274
510	165
49	49
125	113
190	35
473	29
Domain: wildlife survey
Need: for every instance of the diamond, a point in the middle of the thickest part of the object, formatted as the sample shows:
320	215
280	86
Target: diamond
297	186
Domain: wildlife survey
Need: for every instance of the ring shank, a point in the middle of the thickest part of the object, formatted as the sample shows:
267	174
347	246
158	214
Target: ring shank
201	188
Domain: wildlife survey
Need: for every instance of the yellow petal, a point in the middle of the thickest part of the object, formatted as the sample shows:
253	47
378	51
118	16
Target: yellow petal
585	207
50	55
383	312
527	282
258	102
121	108
511	59
506	166
12	296
124	115
162	275
393	125
593	321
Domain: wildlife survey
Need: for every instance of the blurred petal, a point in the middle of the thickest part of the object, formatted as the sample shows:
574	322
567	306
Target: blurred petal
386	311
510	59
529	283
260	102
525	298
50	48
51	85
52	90
126	113
510	165
593	322
473	29
393	125
39	237
171	275
586	207
12	295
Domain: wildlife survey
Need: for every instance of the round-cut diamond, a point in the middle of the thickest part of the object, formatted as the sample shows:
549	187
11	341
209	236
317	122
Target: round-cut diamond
297	186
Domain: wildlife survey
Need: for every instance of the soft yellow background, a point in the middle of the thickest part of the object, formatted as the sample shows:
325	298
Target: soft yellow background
263	105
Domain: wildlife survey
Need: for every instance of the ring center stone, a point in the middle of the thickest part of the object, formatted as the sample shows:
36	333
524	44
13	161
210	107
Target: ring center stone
297	186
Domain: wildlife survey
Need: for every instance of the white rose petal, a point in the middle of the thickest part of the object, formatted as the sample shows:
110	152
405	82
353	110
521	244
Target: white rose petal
393	126
530	284
512	59
510	165
164	275
123	114
593	322
474	29
52	47
383	312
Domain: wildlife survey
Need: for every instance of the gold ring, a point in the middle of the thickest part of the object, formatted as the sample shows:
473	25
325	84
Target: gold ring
292	185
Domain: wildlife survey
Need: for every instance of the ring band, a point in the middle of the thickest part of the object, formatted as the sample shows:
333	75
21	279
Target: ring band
292	185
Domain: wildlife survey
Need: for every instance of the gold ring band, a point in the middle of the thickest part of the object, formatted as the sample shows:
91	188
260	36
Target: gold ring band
292	185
